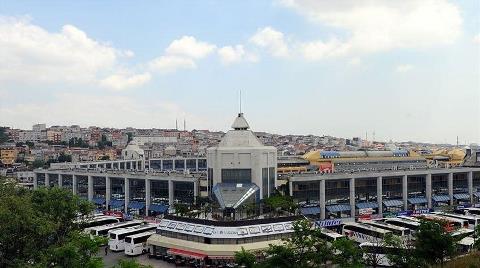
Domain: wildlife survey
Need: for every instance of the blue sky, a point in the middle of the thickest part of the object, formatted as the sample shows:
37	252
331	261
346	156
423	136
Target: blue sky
408	70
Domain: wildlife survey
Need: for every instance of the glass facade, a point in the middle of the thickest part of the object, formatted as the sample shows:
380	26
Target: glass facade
271	180
265	182
392	187
306	191
159	192
237	175
183	191
99	187
156	164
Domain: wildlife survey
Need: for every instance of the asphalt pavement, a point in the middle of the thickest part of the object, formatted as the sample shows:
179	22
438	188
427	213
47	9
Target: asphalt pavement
112	258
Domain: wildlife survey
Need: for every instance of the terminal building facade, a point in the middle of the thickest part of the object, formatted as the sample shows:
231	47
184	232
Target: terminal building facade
241	164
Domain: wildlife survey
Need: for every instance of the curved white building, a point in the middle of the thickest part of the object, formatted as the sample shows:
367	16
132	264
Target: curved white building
241	158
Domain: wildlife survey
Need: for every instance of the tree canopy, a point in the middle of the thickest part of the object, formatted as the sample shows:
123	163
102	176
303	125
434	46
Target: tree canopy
39	229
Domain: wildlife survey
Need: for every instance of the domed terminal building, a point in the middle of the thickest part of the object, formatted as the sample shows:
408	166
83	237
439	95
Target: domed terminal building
241	169
241	172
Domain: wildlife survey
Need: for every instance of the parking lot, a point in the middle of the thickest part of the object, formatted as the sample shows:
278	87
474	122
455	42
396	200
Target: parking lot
112	258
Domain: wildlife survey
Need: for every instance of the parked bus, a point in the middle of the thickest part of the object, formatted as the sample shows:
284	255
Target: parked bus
104	229
473	220
329	235
137	244
97	221
379	253
412	225
472	211
361	232
452	224
402	232
117	236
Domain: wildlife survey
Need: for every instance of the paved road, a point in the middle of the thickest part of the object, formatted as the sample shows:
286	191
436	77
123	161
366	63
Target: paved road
113	257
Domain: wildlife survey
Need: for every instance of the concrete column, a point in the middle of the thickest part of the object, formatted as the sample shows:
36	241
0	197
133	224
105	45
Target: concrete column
108	191
170	193
35	181
47	180
352	197
450	187
90	188
322	199
428	189
290	188
470	185
195	191
405	191
173	163
161	165
127	194
74	184
196	165
148	198
185	164
380	196
60	181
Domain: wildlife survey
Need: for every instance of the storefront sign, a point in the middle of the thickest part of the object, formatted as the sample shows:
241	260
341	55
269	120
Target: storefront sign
328	223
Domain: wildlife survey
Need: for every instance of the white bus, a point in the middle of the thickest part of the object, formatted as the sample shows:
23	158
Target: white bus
361	232
378	253
402	232
104	229
329	235
117	237
472	211
412	225
473	220
452	223
137	244
97	221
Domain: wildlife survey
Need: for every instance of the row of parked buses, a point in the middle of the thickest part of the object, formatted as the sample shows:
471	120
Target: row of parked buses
128	236
370	234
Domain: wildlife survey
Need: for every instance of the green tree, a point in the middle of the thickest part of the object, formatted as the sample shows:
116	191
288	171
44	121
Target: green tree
64	158
39	229
3	135
38	163
245	258
433	243
402	252
348	254
305	248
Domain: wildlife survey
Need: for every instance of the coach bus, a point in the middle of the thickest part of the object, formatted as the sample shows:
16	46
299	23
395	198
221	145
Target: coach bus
137	244
402	232
97	221
117	236
361	233
379	253
412	225
472	219
104	229
329	236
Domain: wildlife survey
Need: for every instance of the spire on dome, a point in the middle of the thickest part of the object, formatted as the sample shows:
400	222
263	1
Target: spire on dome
240	123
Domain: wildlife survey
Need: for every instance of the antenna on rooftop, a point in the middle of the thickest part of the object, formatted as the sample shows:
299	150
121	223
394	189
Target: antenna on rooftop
240	100
184	124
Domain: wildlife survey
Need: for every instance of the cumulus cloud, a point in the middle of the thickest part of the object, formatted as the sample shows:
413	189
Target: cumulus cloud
234	54
476	39
30	54
373	26
168	64
123	81
403	68
189	47
272	40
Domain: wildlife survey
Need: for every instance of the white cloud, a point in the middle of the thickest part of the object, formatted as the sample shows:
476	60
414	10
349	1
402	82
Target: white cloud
476	39
123	81
272	40
168	64
188	46
234	54
318	50
354	62
373	26
30	54
403	68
